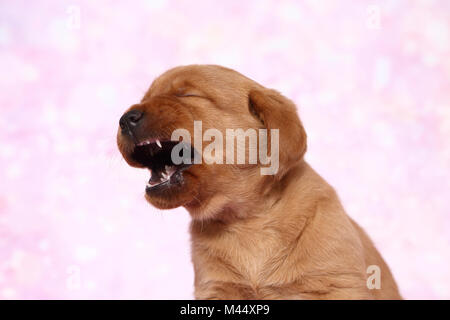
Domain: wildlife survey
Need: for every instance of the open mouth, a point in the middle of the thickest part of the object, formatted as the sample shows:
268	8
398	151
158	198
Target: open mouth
156	155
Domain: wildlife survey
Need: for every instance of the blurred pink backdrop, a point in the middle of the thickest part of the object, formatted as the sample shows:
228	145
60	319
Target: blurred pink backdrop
371	80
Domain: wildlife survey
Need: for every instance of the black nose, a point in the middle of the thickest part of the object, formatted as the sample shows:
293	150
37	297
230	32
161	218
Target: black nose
130	120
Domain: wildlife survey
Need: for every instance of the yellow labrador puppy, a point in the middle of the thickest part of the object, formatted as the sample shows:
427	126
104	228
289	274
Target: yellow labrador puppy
282	235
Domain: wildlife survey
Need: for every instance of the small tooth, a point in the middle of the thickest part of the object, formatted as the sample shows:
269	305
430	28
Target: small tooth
170	169
158	143
164	175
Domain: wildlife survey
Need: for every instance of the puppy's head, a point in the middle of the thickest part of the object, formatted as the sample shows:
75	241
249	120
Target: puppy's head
208	102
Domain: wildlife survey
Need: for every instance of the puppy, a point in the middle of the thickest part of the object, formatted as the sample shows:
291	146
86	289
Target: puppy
283	235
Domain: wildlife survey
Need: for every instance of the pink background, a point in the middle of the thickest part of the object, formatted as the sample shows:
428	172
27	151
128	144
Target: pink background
371	81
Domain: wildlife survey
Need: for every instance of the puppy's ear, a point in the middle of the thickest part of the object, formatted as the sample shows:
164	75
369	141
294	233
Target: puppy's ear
277	112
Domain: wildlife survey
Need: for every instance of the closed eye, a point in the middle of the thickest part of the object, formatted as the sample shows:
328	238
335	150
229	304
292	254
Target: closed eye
190	95
183	95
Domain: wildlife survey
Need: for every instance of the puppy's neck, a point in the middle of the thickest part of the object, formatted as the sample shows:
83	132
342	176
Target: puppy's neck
222	211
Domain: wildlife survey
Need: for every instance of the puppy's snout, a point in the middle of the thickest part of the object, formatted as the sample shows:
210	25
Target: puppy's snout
130	120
